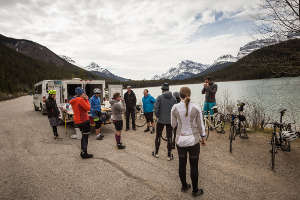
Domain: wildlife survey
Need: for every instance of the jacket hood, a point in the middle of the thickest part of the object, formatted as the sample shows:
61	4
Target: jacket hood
167	95
112	102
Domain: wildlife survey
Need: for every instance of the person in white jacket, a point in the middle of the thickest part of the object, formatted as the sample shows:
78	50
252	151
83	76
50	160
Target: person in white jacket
188	119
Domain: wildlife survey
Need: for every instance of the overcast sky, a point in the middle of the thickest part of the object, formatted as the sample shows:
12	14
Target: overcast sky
133	38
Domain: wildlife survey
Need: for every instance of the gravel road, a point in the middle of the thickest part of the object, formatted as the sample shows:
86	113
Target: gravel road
35	166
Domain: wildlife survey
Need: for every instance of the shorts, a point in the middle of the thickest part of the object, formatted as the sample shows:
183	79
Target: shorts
208	107
98	123
84	127
118	125
149	116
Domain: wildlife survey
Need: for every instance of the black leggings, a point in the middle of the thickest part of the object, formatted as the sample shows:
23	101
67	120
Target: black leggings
55	130
159	130
194	152
84	142
85	130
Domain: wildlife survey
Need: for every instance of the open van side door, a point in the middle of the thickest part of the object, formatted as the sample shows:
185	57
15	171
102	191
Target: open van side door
113	89
55	85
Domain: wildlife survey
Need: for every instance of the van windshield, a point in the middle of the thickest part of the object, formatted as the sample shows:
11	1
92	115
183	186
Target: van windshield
89	90
71	90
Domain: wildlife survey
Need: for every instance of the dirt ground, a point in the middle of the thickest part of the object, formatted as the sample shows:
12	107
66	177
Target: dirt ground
35	166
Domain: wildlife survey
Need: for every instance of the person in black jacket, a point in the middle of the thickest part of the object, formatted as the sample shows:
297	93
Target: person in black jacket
130	102
53	112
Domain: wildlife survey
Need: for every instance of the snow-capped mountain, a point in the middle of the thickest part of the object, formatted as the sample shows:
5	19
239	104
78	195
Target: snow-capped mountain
225	59
185	69
255	45
97	69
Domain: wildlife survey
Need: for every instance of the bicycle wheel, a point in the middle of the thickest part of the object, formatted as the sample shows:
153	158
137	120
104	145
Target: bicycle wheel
243	132
273	152
220	126
285	145
206	125
231	137
140	120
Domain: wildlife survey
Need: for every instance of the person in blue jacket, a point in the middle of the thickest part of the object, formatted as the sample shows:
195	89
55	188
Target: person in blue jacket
95	102
148	106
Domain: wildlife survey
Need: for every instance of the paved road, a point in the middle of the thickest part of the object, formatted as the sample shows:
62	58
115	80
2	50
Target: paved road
34	166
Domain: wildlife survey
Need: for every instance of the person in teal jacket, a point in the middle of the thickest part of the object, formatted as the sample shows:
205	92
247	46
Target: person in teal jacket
148	106
95	102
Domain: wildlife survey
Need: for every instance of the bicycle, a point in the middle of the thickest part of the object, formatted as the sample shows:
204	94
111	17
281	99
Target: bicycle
238	125
140	119
215	121
281	139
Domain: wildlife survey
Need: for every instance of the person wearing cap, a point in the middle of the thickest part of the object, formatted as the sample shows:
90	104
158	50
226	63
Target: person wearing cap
53	112
130	102
81	107
163	106
95	102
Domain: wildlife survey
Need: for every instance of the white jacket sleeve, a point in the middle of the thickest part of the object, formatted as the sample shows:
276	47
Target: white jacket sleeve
200	123
173	117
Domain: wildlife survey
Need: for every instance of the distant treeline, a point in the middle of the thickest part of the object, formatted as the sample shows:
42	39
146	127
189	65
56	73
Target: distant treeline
18	73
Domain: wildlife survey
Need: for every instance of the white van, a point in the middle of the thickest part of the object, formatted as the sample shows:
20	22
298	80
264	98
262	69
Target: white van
41	93
68	92
113	89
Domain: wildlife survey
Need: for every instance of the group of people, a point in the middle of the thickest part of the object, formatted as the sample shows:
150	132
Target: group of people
183	121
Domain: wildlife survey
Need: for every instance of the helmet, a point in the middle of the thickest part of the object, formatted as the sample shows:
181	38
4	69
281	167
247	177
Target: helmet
52	92
289	136
165	87
97	91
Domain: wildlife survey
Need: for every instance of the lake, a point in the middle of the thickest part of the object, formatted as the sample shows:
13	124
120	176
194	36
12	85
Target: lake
273	94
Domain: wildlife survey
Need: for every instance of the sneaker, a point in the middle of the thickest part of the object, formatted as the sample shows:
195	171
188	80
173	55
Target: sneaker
121	146
186	188
86	155
199	192
99	137
147	130
171	157
134	129
127	129
155	155
152	130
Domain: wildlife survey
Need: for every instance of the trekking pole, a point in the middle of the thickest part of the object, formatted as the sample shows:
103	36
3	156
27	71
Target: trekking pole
65	123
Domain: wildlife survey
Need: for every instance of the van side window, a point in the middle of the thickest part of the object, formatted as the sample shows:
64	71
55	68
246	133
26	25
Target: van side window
38	89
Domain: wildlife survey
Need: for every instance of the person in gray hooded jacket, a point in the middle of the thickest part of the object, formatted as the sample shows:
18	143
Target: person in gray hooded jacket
118	108
163	106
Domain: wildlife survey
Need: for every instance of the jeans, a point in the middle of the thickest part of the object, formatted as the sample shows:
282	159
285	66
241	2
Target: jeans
194	152
130	111
159	130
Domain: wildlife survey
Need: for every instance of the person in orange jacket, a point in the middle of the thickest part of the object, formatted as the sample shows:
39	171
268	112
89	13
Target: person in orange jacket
81	107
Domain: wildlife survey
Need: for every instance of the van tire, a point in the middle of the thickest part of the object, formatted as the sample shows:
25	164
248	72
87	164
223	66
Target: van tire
42	110
36	108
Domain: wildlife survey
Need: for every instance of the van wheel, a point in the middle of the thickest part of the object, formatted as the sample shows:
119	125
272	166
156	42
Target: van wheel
35	108
42	109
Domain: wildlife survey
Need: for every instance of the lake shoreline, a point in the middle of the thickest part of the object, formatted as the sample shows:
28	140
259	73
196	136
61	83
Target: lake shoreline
143	83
